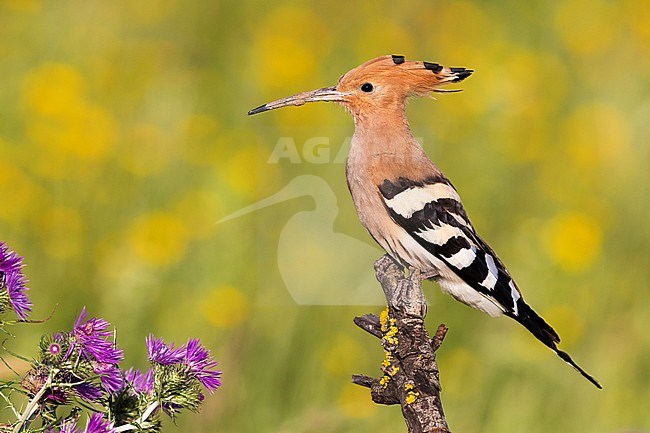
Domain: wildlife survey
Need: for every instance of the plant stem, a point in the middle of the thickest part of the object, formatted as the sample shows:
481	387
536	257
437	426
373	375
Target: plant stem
10	404
135	425
33	405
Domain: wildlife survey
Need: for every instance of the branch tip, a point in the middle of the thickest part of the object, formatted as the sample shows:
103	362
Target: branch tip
369	323
363	380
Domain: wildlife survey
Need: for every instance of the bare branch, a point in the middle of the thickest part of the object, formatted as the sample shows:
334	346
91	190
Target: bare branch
370	324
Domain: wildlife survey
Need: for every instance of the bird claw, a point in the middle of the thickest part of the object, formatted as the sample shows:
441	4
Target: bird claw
419	274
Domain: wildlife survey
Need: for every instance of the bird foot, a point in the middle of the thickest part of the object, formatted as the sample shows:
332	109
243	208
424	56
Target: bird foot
415	273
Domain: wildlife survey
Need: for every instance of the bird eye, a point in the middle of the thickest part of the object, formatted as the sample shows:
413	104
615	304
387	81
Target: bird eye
367	87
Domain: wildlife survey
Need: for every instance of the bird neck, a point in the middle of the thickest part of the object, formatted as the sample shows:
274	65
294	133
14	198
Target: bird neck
386	136
373	117
383	147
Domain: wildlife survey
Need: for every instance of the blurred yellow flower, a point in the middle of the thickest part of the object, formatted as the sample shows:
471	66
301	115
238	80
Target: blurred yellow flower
159	239
594	133
586	26
225	307
67	130
287	54
279	70
93	135
639	15
355	401
86	136
573	240
54	89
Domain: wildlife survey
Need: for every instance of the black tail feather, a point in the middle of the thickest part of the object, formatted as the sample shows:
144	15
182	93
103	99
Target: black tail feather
547	335
535	324
566	358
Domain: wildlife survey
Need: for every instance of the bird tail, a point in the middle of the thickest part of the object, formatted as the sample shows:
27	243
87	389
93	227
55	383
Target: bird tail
547	335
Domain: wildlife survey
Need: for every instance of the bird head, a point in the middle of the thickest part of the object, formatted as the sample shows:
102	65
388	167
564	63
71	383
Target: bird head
379	85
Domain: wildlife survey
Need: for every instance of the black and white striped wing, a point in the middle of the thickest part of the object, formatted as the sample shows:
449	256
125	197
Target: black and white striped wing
432	214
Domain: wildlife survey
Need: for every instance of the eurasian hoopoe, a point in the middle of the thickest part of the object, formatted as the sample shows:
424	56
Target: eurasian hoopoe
406	203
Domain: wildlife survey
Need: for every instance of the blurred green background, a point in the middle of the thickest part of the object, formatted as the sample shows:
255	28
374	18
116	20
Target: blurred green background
124	140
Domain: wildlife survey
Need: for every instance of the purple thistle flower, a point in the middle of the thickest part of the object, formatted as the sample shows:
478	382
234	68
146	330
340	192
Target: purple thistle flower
97	424
56	395
12	277
94	339
54	349
88	391
142	383
110	375
160	353
198	359
195	357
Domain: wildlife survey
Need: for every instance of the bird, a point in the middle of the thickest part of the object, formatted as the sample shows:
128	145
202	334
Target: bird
337	277
406	203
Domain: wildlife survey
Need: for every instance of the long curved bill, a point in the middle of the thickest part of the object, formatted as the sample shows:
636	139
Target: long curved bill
324	94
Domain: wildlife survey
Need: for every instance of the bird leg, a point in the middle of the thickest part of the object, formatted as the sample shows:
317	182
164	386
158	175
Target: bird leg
416	273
